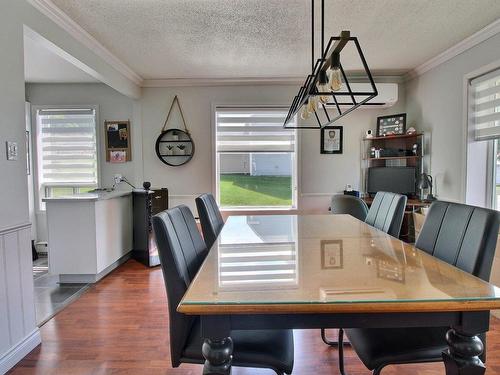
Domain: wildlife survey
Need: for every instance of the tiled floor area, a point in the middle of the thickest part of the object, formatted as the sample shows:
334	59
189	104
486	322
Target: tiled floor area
50	296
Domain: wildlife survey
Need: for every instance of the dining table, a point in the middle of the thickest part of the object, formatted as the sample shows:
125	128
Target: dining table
331	271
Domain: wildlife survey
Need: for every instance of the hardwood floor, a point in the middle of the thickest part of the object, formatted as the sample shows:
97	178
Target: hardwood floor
120	326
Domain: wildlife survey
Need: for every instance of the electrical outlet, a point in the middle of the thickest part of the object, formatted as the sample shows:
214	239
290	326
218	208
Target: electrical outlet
12	150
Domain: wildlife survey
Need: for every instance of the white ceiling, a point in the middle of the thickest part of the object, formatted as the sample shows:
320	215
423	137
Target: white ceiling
162	39
44	66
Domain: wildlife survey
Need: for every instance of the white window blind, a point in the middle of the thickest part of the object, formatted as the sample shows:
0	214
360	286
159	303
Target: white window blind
484	111
67	147
253	130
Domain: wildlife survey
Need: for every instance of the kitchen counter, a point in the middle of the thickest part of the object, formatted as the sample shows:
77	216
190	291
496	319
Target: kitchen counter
90	234
97	196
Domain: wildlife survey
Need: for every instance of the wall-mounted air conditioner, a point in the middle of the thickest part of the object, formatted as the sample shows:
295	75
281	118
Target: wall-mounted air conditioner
387	95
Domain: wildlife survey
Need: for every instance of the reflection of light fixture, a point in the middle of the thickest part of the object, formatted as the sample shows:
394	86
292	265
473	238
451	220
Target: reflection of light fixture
335	74
425	182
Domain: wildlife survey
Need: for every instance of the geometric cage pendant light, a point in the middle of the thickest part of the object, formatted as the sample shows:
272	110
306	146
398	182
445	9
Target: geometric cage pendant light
328	87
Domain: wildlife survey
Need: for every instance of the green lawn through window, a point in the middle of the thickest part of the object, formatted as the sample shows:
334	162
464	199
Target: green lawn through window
245	190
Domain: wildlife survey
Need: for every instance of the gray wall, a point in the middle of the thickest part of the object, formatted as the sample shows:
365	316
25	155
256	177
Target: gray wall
320	175
435	104
112	106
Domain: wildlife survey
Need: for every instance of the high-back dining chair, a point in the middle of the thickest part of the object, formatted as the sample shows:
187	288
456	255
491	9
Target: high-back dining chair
461	235
349	204
210	218
386	212
182	251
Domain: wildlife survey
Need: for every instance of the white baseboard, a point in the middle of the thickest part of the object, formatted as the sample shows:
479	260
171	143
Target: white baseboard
21	350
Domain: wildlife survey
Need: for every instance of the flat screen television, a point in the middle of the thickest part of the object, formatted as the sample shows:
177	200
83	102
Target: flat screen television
393	179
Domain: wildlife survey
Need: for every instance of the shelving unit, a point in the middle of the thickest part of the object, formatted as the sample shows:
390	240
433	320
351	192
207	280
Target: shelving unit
397	143
174	138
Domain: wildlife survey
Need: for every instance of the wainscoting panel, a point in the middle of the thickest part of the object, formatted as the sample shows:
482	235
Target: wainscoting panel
18	331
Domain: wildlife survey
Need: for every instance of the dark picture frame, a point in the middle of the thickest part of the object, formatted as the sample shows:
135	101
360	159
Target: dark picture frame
332	254
332	140
391	125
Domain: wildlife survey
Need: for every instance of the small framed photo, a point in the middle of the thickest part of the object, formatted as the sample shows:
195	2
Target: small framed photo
391	125
332	254
332	140
118	156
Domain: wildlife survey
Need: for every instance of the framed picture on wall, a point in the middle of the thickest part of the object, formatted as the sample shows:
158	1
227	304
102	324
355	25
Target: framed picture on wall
332	140
118	148
391	125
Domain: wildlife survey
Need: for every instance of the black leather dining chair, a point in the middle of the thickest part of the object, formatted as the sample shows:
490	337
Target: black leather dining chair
386	212
210	218
349	204
182	251
461	235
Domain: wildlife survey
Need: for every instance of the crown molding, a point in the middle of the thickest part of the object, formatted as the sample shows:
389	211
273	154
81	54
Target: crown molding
190	82
485	33
251	81
49	9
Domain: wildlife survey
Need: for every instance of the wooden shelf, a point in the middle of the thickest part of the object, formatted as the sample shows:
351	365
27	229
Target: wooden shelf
394	157
391	137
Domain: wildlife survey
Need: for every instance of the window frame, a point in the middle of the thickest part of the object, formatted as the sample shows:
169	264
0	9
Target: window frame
216	161
40	206
470	189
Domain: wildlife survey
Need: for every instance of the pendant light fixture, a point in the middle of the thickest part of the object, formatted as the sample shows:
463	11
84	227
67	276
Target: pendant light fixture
327	87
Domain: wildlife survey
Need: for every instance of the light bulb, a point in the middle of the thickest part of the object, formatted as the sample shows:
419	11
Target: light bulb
304	114
335	79
323	86
312	104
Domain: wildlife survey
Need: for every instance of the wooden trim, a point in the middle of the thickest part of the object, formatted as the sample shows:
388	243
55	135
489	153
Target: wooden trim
330	308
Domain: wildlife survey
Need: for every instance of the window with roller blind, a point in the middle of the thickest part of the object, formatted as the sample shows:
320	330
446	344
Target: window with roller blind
484	121
67	157
256	159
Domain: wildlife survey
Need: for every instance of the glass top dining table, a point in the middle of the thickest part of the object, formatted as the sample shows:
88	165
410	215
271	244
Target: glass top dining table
325	264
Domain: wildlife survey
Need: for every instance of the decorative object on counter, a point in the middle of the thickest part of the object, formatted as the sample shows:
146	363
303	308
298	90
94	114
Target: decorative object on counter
369	134
414	149
327	86
426	182
175	146
372	151
391	125
332	140
118	146
411	130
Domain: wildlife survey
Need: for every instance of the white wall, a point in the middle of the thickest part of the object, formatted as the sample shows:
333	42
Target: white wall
435	104
18	331
320	175
112	106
